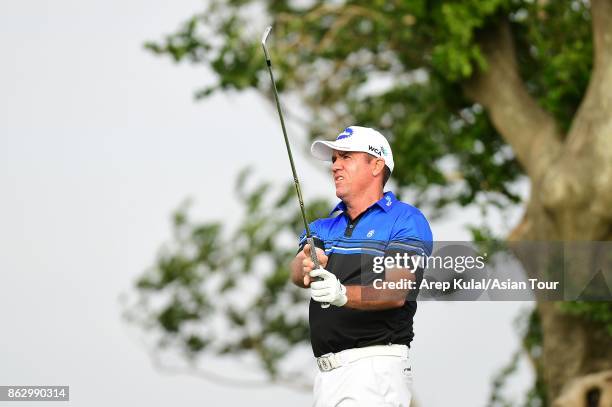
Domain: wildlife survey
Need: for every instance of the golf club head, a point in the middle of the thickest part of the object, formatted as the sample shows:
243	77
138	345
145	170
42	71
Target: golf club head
263	43
265	35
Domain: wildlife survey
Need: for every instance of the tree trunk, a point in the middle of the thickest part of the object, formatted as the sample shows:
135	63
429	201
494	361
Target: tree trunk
571	181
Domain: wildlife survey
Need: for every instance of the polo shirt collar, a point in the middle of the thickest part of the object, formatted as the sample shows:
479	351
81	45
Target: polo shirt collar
384	203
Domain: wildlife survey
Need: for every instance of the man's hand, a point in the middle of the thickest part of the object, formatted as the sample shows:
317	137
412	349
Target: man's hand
308	265
328	290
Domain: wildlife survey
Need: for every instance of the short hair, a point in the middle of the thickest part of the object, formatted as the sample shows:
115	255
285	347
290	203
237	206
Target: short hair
386	170
386	175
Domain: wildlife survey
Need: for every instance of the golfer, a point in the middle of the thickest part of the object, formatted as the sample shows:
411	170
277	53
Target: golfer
361	341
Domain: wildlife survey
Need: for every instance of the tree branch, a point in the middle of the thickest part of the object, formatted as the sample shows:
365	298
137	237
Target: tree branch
524	125
587	151
596	107
294	381
601	14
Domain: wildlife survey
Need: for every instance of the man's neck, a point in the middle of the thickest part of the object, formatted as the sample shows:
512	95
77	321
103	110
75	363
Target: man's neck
357	205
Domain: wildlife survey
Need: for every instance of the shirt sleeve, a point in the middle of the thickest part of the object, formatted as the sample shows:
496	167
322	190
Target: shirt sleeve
314	230
411	236
411	233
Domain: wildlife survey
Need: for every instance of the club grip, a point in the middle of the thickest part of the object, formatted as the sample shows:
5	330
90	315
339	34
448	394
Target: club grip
315	260
313	252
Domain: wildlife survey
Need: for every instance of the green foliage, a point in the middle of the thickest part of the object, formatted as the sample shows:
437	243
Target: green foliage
555	54
456	55
530	325
530	330
331	56
496	399
185	295
598	312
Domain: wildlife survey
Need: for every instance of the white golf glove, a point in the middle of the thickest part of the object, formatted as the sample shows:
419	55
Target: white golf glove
328	290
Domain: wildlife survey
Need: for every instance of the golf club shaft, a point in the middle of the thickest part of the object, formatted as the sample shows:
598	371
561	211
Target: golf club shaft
282	121
296	181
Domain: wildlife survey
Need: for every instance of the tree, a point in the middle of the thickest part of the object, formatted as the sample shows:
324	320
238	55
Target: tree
474	96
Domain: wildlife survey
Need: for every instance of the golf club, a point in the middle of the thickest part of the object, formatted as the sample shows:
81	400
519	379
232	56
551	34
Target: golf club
309	237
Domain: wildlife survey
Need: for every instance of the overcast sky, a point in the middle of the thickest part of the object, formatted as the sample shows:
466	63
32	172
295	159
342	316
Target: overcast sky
99	142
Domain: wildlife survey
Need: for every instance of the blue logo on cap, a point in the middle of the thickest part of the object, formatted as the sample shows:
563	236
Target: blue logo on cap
348	132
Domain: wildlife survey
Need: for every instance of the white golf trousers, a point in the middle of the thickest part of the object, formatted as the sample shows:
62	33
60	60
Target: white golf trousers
375	381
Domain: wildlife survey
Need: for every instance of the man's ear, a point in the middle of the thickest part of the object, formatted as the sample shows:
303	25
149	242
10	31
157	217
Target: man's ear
378	167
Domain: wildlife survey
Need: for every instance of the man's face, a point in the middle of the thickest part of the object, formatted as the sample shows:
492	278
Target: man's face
352	172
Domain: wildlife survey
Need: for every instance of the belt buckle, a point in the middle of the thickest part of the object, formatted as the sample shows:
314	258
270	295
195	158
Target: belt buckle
324	362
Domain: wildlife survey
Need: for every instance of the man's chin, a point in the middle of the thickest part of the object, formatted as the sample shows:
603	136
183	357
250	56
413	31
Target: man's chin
340	193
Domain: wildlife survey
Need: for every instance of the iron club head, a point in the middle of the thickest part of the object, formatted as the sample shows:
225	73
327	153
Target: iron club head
265	35
263	42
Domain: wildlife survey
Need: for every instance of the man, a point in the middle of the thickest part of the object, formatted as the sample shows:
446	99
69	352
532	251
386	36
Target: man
361	341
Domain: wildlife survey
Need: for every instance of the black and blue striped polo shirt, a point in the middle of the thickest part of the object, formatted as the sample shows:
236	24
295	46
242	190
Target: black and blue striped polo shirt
386	228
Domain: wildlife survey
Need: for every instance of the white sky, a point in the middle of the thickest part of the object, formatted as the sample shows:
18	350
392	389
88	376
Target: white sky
99	142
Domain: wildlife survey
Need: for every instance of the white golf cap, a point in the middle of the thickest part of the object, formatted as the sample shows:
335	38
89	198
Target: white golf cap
355	138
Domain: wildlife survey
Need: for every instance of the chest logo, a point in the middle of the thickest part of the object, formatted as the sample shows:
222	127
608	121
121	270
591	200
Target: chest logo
370	233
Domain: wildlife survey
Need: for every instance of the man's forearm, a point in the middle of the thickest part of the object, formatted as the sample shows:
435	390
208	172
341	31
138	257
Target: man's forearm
371	298
368	298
